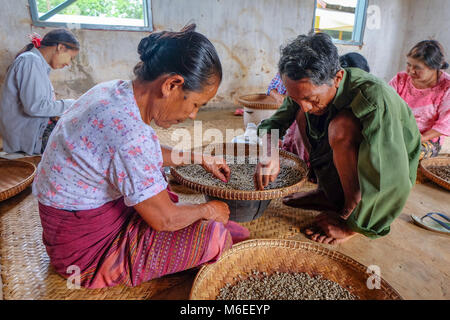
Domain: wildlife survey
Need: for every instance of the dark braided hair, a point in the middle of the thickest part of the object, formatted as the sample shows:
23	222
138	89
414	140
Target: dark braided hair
186	53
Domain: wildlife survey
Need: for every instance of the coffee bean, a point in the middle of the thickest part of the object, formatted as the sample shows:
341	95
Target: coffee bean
284	286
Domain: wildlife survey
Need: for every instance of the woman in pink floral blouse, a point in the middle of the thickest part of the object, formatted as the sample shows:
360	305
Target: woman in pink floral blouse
104	207
426	88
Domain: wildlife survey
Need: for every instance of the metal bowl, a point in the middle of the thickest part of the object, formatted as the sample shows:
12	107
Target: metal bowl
243	210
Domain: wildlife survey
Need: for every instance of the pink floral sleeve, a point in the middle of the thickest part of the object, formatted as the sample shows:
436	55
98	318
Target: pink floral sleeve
136	170
393	82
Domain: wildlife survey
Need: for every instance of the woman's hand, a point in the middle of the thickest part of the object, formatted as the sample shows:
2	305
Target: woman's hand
268	166
277	96
218	211
266	172
161	214
429	135
217	167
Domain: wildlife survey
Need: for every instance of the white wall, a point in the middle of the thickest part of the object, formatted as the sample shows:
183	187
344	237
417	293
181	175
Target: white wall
427	20
247	35
382	46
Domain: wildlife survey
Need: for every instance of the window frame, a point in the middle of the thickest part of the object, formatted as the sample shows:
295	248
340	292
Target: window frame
147	8
359	25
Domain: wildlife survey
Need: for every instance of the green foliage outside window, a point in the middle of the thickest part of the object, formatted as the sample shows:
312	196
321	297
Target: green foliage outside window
132	9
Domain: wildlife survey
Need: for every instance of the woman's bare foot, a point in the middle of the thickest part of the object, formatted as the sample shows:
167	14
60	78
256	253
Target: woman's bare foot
312	200
329	229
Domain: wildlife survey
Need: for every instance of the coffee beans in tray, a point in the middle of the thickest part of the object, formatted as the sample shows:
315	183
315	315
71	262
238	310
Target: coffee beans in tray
241	176
284	286
442	172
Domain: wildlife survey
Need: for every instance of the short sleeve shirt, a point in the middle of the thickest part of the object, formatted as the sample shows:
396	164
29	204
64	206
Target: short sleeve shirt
99	151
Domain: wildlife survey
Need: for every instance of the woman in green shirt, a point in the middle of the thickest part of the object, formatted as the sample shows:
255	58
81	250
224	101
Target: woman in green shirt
362	138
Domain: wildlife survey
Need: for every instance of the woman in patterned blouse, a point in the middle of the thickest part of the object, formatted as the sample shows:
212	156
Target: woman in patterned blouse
103	202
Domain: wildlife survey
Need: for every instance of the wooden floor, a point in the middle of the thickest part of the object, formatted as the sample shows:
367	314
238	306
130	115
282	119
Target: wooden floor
415	261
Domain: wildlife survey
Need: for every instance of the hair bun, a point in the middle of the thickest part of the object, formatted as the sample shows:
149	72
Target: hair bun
147	47
444	65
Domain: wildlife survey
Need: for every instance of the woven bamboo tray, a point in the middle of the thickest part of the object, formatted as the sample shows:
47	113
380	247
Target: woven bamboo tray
15	176
441	160
258	101
271	255
231	194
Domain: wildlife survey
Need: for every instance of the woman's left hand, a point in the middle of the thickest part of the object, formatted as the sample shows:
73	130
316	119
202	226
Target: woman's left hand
217	167
430	135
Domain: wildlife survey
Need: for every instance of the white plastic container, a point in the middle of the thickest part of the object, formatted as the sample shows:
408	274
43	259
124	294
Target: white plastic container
252	115
250	136
257	107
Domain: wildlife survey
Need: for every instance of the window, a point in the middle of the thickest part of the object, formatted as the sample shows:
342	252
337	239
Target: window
343	20
92	14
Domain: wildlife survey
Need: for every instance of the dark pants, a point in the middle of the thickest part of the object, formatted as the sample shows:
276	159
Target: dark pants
48	130
321	160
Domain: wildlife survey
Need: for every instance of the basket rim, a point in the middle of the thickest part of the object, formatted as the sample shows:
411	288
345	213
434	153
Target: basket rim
20	186
296	245
256	104
425	163
234	194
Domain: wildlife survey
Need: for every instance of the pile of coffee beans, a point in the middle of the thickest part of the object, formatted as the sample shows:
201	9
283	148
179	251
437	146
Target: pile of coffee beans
241	177
442	172
284	286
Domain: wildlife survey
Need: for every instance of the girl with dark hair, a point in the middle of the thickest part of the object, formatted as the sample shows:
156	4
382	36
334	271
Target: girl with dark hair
102	195
28	108
425	86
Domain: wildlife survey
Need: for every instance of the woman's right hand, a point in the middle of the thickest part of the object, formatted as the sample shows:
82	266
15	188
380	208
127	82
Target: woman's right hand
266	172
217	167
218	211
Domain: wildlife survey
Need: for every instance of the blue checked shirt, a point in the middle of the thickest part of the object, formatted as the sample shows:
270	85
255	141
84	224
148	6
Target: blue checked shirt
277	84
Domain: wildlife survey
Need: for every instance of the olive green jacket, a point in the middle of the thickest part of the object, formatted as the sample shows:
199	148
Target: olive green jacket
388	155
